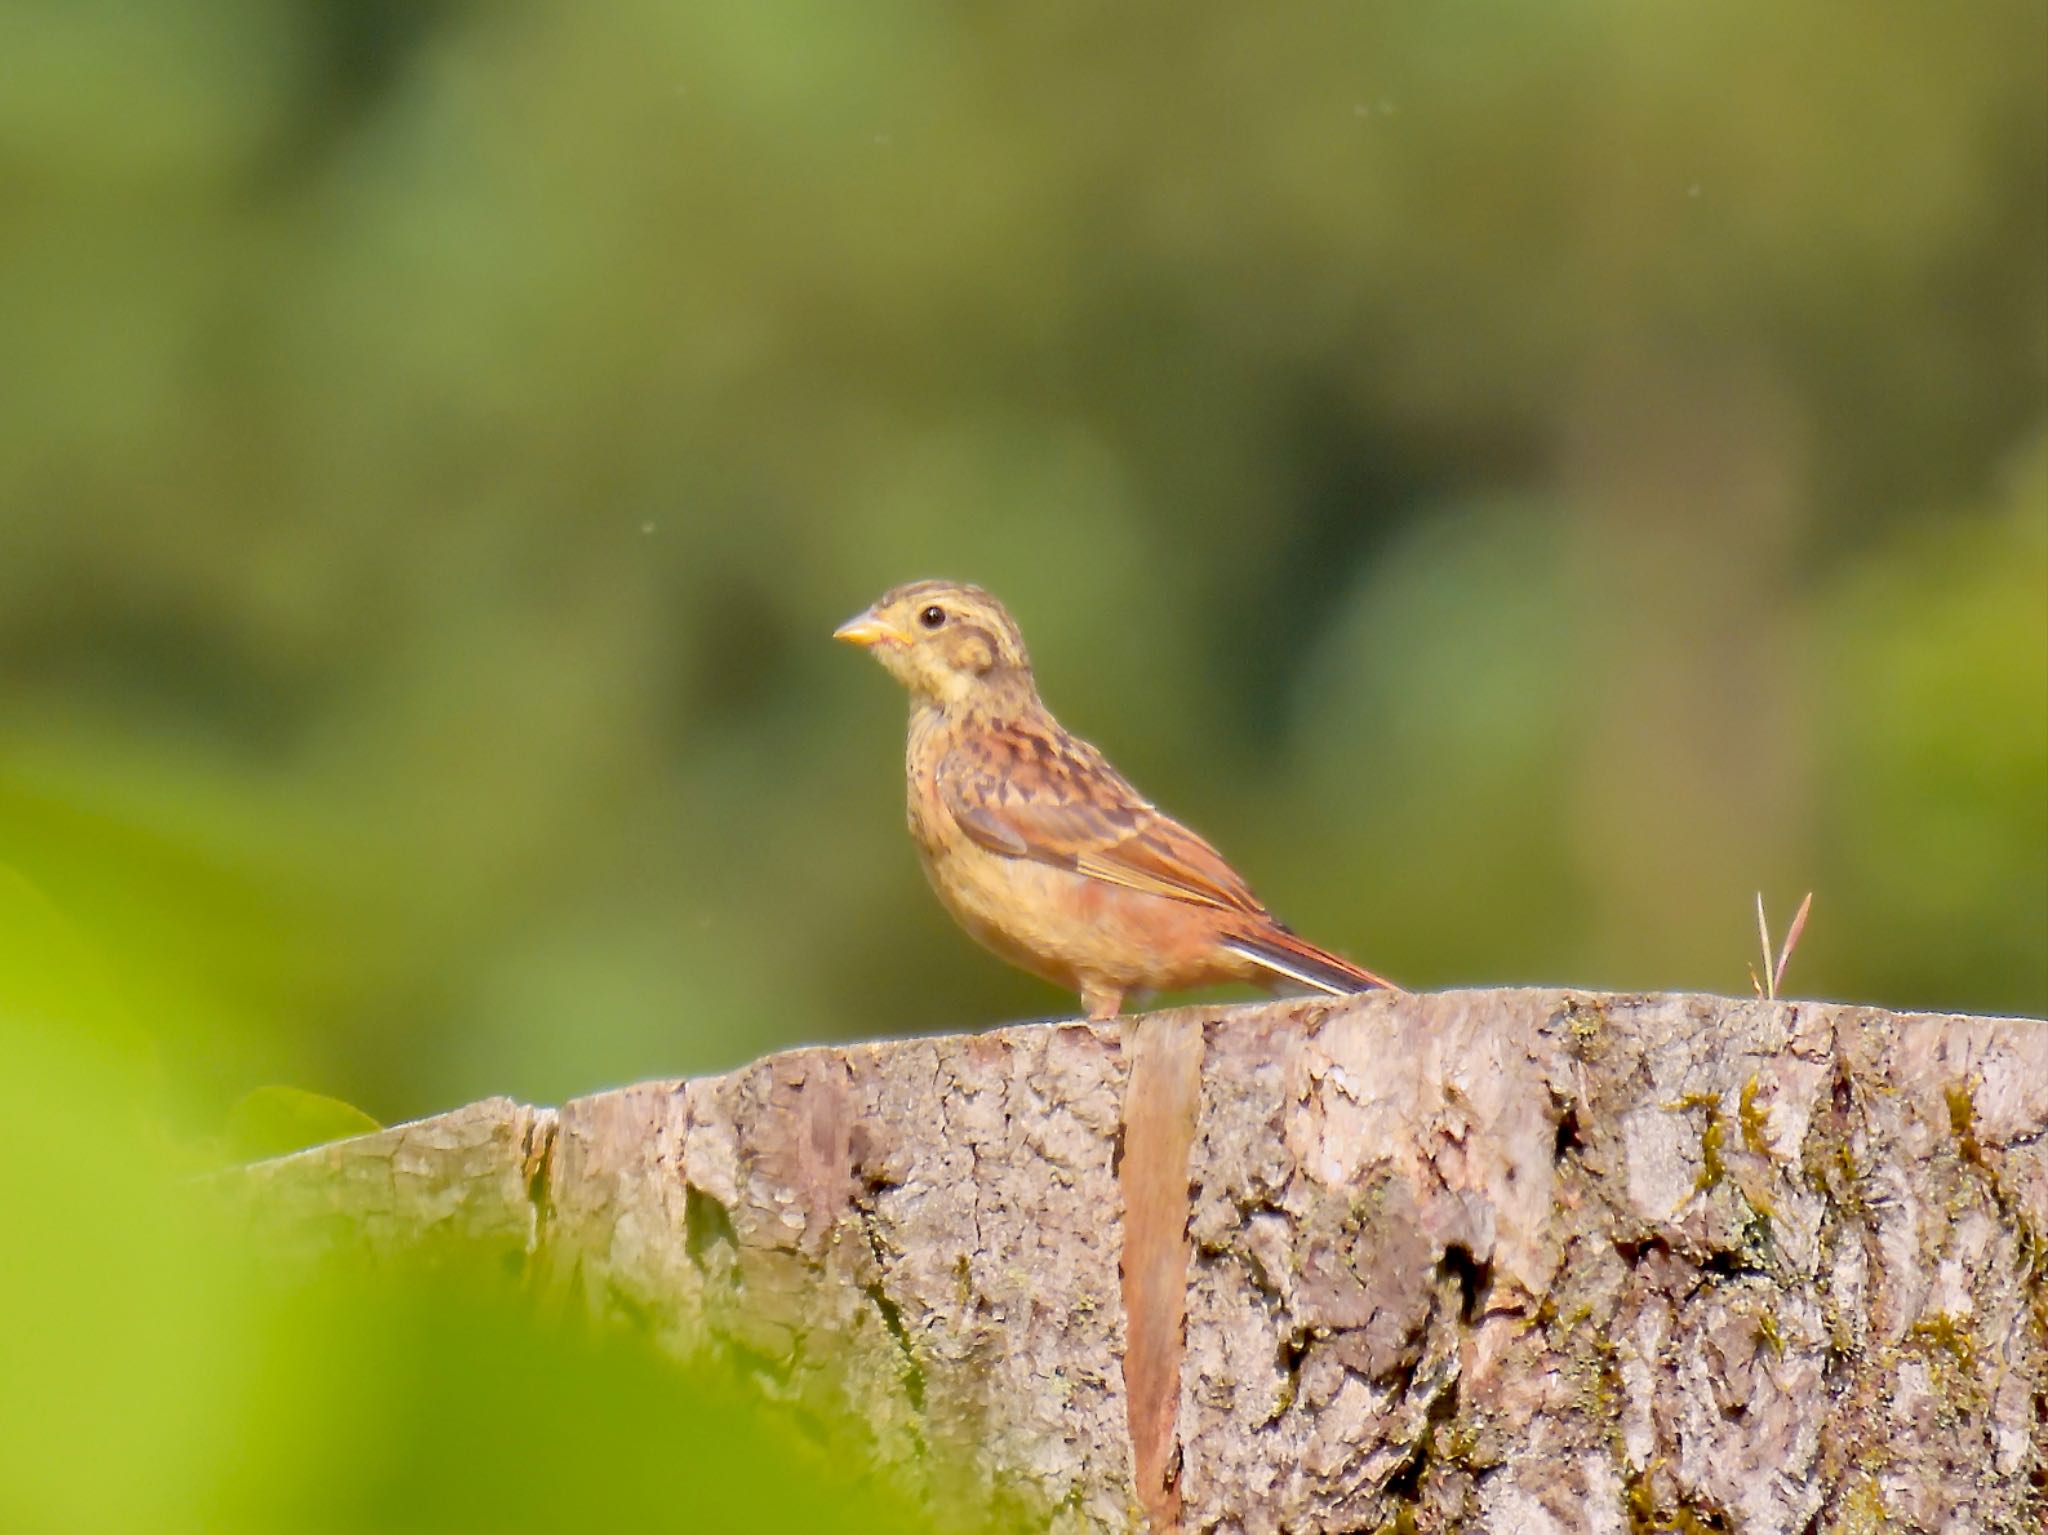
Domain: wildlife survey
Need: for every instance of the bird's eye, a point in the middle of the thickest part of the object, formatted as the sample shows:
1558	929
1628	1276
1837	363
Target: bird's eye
932	616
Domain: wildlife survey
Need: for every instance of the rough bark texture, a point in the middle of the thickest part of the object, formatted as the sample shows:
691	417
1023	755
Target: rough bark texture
1506	1261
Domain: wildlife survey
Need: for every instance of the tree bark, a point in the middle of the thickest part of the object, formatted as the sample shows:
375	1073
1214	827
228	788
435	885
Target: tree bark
1514	1261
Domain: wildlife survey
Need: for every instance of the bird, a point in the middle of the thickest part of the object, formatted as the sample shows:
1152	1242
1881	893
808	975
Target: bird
1039	848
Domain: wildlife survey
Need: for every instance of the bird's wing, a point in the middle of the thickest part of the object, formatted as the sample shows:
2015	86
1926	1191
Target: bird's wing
1027	789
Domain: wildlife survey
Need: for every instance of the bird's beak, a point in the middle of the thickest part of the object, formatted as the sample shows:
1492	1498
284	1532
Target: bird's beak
866	631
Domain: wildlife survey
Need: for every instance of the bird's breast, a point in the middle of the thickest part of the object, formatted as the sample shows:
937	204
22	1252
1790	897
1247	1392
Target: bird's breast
931	824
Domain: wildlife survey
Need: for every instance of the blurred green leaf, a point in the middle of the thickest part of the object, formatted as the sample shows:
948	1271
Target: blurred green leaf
48	973
274	1120
151	1329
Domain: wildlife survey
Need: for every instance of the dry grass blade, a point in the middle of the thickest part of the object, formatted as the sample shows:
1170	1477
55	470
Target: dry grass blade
1769	989
1791	941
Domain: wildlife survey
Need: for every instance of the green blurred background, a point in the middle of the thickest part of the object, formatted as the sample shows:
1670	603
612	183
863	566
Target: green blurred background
1521	479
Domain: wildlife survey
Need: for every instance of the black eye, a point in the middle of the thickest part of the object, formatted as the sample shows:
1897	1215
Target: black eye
932	616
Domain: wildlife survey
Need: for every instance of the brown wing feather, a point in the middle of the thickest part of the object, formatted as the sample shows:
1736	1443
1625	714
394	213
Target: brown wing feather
1026	789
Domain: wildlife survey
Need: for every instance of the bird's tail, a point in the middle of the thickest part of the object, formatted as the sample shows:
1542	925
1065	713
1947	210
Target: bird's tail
1276	949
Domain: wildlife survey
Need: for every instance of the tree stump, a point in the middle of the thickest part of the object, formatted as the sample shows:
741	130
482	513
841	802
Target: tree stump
1513	1261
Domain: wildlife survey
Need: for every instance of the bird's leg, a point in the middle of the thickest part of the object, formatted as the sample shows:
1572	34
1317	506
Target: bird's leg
1103	999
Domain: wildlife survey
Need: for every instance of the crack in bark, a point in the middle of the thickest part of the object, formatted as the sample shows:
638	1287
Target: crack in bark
537	1161
1474	1278
889	1310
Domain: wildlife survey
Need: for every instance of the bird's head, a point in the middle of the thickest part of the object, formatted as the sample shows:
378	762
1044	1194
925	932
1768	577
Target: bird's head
946	642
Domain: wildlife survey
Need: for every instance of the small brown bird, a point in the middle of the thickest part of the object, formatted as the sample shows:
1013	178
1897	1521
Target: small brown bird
1038	847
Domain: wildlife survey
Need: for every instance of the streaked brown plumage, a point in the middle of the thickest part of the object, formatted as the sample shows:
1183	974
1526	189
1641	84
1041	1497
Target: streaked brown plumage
1039	847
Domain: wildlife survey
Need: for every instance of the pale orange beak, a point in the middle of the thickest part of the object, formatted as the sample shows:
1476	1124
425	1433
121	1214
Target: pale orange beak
866	631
